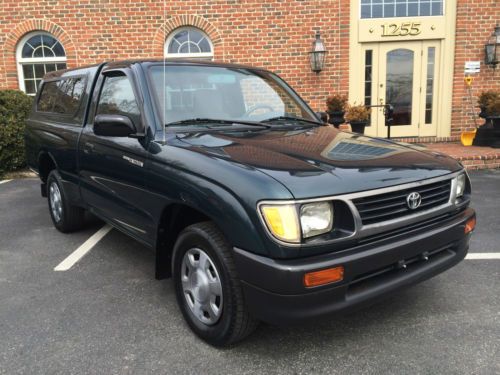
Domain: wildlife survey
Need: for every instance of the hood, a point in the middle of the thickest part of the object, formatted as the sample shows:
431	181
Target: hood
322	161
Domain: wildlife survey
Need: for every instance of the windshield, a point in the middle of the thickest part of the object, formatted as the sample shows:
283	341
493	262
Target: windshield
204	92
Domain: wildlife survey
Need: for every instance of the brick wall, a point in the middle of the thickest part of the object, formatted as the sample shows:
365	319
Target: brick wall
274	34
475	23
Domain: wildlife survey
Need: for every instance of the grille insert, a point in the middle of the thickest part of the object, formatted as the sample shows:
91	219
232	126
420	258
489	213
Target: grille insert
387	206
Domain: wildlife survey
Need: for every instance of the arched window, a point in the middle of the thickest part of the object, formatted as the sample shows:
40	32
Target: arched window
38	53
189	42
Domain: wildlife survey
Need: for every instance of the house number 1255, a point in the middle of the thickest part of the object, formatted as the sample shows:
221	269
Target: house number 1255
403	29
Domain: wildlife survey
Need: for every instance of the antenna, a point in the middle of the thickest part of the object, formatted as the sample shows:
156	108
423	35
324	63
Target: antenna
164	87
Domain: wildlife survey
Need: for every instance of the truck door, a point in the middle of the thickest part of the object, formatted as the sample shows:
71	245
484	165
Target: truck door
111	168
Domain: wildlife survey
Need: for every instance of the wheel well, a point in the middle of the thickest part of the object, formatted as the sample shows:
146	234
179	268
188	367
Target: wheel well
174	219
45	165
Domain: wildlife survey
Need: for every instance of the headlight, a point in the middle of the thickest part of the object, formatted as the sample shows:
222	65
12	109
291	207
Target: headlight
287	223
282	221
460	186
316	218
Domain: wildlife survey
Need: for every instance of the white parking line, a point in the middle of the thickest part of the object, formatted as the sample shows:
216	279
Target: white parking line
4	181
483	256
79	253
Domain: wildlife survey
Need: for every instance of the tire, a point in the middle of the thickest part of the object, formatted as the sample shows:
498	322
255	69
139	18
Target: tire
229	321
65	217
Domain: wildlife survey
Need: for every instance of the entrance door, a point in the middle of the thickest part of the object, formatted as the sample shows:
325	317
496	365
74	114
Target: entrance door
404	75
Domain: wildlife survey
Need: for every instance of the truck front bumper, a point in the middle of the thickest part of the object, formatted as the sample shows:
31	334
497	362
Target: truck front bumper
274	290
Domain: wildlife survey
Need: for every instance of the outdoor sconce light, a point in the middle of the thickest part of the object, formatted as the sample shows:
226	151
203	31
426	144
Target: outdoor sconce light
317	55
492	48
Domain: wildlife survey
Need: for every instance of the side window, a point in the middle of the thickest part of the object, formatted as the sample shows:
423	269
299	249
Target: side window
48	97
70	93
117	98
62	96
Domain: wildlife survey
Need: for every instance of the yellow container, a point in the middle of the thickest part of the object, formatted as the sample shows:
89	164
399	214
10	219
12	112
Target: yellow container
467	137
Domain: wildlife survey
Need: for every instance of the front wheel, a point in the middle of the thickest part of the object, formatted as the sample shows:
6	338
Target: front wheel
207	287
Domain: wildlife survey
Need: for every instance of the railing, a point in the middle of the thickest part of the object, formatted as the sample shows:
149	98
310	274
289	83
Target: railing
388	112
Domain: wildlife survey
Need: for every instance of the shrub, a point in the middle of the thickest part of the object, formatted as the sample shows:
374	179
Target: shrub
493	106
355	113
14	109
336	103
486	97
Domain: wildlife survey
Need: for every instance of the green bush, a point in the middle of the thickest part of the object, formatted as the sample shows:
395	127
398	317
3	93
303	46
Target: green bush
14	109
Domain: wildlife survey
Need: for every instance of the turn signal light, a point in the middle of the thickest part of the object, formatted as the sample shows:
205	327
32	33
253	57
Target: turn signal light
330	275
470	225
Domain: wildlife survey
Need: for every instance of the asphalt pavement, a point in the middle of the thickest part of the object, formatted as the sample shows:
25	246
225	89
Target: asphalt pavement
108	315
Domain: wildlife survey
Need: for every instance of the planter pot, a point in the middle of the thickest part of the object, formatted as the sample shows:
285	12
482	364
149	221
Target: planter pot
358	126
492	122
336	118
495	121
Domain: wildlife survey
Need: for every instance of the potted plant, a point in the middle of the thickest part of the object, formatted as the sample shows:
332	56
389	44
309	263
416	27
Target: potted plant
493	111
335	107
358	116
484	99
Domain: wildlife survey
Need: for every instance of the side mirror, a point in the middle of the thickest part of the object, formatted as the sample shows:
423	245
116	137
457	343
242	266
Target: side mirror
113	126
323	116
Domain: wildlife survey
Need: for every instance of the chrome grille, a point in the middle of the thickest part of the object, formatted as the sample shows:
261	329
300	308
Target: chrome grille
387	206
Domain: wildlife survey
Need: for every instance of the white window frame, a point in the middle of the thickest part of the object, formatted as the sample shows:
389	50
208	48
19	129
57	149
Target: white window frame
196	55
20	60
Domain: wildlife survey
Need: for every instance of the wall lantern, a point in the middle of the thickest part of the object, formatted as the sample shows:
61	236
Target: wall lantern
492	48
317	54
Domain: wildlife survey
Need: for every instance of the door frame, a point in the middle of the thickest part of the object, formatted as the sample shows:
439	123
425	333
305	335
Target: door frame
417	127
438	28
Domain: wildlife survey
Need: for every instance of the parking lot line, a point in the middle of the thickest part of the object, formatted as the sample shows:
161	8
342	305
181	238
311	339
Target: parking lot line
79	253
4	181
483	256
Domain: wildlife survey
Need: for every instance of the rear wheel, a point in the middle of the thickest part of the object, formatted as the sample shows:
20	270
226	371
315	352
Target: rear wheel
66	217
207	287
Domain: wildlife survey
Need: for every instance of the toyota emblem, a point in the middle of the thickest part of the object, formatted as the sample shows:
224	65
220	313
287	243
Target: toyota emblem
413	200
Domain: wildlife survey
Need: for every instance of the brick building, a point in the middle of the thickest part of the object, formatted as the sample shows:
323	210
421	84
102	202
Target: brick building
407	52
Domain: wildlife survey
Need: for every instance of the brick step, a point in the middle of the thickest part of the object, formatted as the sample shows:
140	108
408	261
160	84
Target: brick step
472	157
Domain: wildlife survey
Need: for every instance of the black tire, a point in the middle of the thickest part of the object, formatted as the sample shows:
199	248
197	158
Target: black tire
235	322
71	218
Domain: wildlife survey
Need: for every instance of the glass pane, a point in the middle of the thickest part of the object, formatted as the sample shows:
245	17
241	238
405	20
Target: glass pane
35	41
70	93
38	52
50	67
368	76
48	97
400	8
27	51
399	84
184	48
430	85
181	36
61	66
30	86
389	10
28	71
204	45
195	36
425	8
117	97
58	50
39	70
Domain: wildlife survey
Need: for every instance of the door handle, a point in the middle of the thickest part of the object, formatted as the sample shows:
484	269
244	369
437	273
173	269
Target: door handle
88	147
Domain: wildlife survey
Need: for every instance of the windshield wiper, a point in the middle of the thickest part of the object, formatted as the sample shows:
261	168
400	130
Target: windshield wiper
293	118
216	121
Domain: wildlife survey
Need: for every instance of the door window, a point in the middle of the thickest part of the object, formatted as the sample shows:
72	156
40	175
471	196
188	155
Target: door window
399	84
431	52
117	98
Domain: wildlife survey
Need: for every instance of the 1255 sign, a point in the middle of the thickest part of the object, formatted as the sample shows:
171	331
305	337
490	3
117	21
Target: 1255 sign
403	29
